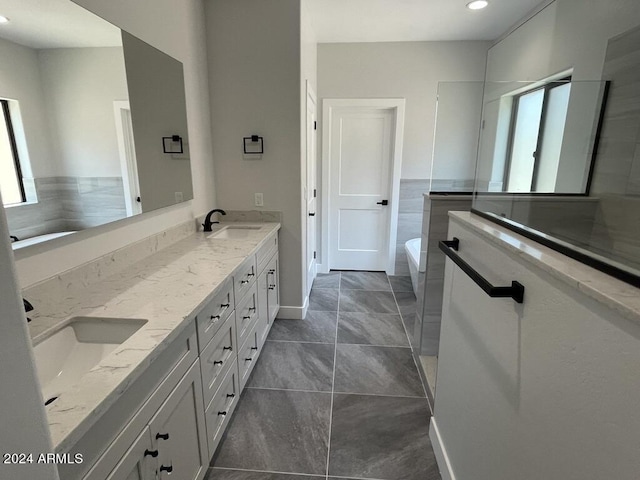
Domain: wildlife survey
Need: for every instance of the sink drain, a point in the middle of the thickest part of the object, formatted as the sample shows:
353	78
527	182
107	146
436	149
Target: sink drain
50	401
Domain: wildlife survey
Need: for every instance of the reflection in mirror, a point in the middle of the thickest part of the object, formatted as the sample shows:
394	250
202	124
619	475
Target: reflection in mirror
80	139
539	137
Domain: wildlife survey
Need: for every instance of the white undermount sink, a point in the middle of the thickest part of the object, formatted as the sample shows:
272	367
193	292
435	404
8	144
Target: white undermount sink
65	356
235	231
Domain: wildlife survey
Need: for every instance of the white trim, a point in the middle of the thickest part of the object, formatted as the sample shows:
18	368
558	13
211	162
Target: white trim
444	464
321	269
126	150
398	105
294	313
310	98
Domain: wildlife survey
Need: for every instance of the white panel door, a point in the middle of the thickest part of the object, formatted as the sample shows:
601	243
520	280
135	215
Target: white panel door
310	190
361	154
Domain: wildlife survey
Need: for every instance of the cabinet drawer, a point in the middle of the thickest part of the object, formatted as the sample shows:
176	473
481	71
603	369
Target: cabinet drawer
244	277
248	355
213	315
217	357
221	407
266	251
246	314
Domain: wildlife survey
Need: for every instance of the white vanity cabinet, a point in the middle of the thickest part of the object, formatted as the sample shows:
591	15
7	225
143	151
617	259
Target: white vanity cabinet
168	430
178	431
268	287
169	421
139	463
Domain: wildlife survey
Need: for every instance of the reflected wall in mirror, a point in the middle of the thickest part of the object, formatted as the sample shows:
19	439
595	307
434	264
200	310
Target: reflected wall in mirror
83	121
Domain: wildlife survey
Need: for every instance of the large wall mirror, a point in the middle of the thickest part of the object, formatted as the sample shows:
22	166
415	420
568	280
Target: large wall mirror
93	126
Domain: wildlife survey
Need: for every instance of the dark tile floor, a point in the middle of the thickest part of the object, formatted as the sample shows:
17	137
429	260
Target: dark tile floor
336	395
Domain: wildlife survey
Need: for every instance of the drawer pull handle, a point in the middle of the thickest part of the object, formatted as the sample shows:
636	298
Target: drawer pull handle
272	287
231	395
254	348
215	317
225	305
227	348
515	291
248	359
218	362
168	469
252	309
272	271
223	414
247	317
151	453
244	282
163	436
251	275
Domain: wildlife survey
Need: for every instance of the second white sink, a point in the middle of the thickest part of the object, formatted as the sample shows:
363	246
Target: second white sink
235	231
65	356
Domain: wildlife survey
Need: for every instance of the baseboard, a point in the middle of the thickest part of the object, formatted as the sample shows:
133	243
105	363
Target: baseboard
321	269
294	313
444	465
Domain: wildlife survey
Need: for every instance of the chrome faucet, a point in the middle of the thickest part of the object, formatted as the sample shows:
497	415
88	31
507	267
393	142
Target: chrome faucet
207	221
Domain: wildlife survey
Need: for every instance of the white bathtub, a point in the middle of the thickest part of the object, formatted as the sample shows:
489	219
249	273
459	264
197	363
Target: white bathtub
412	247
38	239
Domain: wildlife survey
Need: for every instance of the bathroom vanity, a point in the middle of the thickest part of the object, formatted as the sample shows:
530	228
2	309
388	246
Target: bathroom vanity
158	402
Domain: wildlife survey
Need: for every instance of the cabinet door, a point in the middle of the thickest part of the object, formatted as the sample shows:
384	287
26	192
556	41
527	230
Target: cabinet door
140	461
263	307
178	430
273	289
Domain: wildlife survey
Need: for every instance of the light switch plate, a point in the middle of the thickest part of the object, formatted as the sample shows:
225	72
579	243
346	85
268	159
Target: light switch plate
259	200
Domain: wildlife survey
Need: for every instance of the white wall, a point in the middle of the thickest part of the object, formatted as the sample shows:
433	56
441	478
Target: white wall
22	82
255	62
24	425
409	70
80	86
178	29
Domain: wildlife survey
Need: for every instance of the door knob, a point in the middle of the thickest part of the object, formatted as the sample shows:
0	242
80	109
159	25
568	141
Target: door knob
383	202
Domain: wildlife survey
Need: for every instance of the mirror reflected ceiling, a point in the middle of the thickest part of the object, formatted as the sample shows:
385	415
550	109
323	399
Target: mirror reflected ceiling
92	132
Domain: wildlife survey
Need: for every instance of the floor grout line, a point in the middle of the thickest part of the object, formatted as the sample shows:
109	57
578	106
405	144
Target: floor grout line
271	471
380	395
413	357
325	392
333	379
299	341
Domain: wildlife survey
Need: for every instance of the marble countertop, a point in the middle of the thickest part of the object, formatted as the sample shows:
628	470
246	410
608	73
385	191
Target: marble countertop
167	289
614	293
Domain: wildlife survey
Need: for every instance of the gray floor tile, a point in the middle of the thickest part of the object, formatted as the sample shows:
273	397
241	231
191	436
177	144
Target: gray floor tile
316	327
371	329
365	281
327	280
381	437
294	366
405	299
224	474
367	302
278	431
377	370
323	299
401	284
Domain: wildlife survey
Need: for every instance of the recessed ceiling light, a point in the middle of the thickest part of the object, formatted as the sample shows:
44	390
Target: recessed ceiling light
3	19
477	4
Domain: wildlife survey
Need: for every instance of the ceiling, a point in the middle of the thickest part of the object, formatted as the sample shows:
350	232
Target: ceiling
413	20
55	24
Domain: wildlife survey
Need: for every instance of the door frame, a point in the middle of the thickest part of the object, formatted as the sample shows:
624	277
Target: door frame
128	161
397	105
311	164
